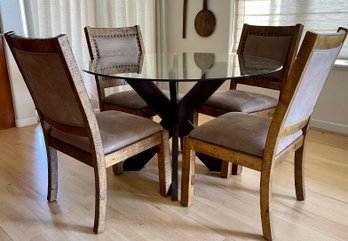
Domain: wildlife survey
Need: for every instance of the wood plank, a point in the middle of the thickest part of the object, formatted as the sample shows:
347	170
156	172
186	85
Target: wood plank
223	209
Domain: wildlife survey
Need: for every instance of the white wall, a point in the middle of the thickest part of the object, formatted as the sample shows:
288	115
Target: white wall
24	107
331	112
193	41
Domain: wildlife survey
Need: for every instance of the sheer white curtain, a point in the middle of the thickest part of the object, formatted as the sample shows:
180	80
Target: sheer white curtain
316	15
47	18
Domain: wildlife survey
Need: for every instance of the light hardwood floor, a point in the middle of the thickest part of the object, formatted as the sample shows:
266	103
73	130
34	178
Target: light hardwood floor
223	209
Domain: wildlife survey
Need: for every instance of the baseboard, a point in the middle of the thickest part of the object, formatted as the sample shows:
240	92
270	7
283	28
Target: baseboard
330	126
26	121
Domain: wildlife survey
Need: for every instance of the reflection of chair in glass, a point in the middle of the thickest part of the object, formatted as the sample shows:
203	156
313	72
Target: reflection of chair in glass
70	125
279	43
257	142
122	42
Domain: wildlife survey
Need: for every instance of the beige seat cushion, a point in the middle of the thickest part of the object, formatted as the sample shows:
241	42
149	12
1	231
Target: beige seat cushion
129	99
240	132
117	130
241	101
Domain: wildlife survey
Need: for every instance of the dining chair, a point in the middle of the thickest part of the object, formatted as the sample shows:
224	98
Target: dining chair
279	43
70	126
258	142
123	42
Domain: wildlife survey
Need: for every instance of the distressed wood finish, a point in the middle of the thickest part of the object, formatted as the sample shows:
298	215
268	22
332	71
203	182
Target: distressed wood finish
104	83
59	47
270	82
266	163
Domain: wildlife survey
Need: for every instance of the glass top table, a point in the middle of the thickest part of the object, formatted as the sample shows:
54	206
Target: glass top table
206	71
182	67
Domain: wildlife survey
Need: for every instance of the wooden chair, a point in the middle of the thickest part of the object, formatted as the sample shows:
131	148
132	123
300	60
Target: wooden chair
275	42
257	142
126	41
70	125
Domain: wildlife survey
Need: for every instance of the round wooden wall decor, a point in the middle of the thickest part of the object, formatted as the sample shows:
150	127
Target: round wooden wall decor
205	21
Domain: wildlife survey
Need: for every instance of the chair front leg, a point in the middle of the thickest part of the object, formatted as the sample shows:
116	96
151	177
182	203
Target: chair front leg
188	172
100	199
164	165
118	168
265	205
52	164
226	169
299	174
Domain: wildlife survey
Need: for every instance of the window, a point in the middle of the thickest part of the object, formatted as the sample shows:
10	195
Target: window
322	16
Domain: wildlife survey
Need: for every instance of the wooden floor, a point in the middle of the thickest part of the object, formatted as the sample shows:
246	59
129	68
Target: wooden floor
223	209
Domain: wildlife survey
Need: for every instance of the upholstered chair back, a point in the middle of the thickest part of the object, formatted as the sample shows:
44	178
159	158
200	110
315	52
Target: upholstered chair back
279	43
123	41
306	80
306	96
52	82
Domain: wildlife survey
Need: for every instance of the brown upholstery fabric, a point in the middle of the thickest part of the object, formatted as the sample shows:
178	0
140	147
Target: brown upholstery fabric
314	79
129	99
240	132
117	130
114	45
241	101
54	98
272	47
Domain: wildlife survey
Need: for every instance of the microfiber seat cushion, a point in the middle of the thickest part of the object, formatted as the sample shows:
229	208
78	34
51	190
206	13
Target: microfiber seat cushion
240	132
241	101
117	130
129	99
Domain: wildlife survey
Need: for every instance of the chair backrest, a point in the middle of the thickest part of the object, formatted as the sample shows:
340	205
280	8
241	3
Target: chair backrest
315	59
275	42
107	42
54	81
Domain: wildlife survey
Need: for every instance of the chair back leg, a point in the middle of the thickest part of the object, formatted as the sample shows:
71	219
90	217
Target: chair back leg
299	174
164	166
52	164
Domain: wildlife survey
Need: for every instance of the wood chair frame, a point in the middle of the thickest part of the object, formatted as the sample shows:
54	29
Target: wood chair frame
88	128
266	81
270	158
104	83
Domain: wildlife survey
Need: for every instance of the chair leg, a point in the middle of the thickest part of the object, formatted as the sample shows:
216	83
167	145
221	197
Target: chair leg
100	199
164	166
188	172
236	169
52	163
194	119
226	169
265	205
299	174
118	168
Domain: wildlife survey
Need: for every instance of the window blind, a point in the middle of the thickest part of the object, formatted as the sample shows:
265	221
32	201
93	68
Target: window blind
321	16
